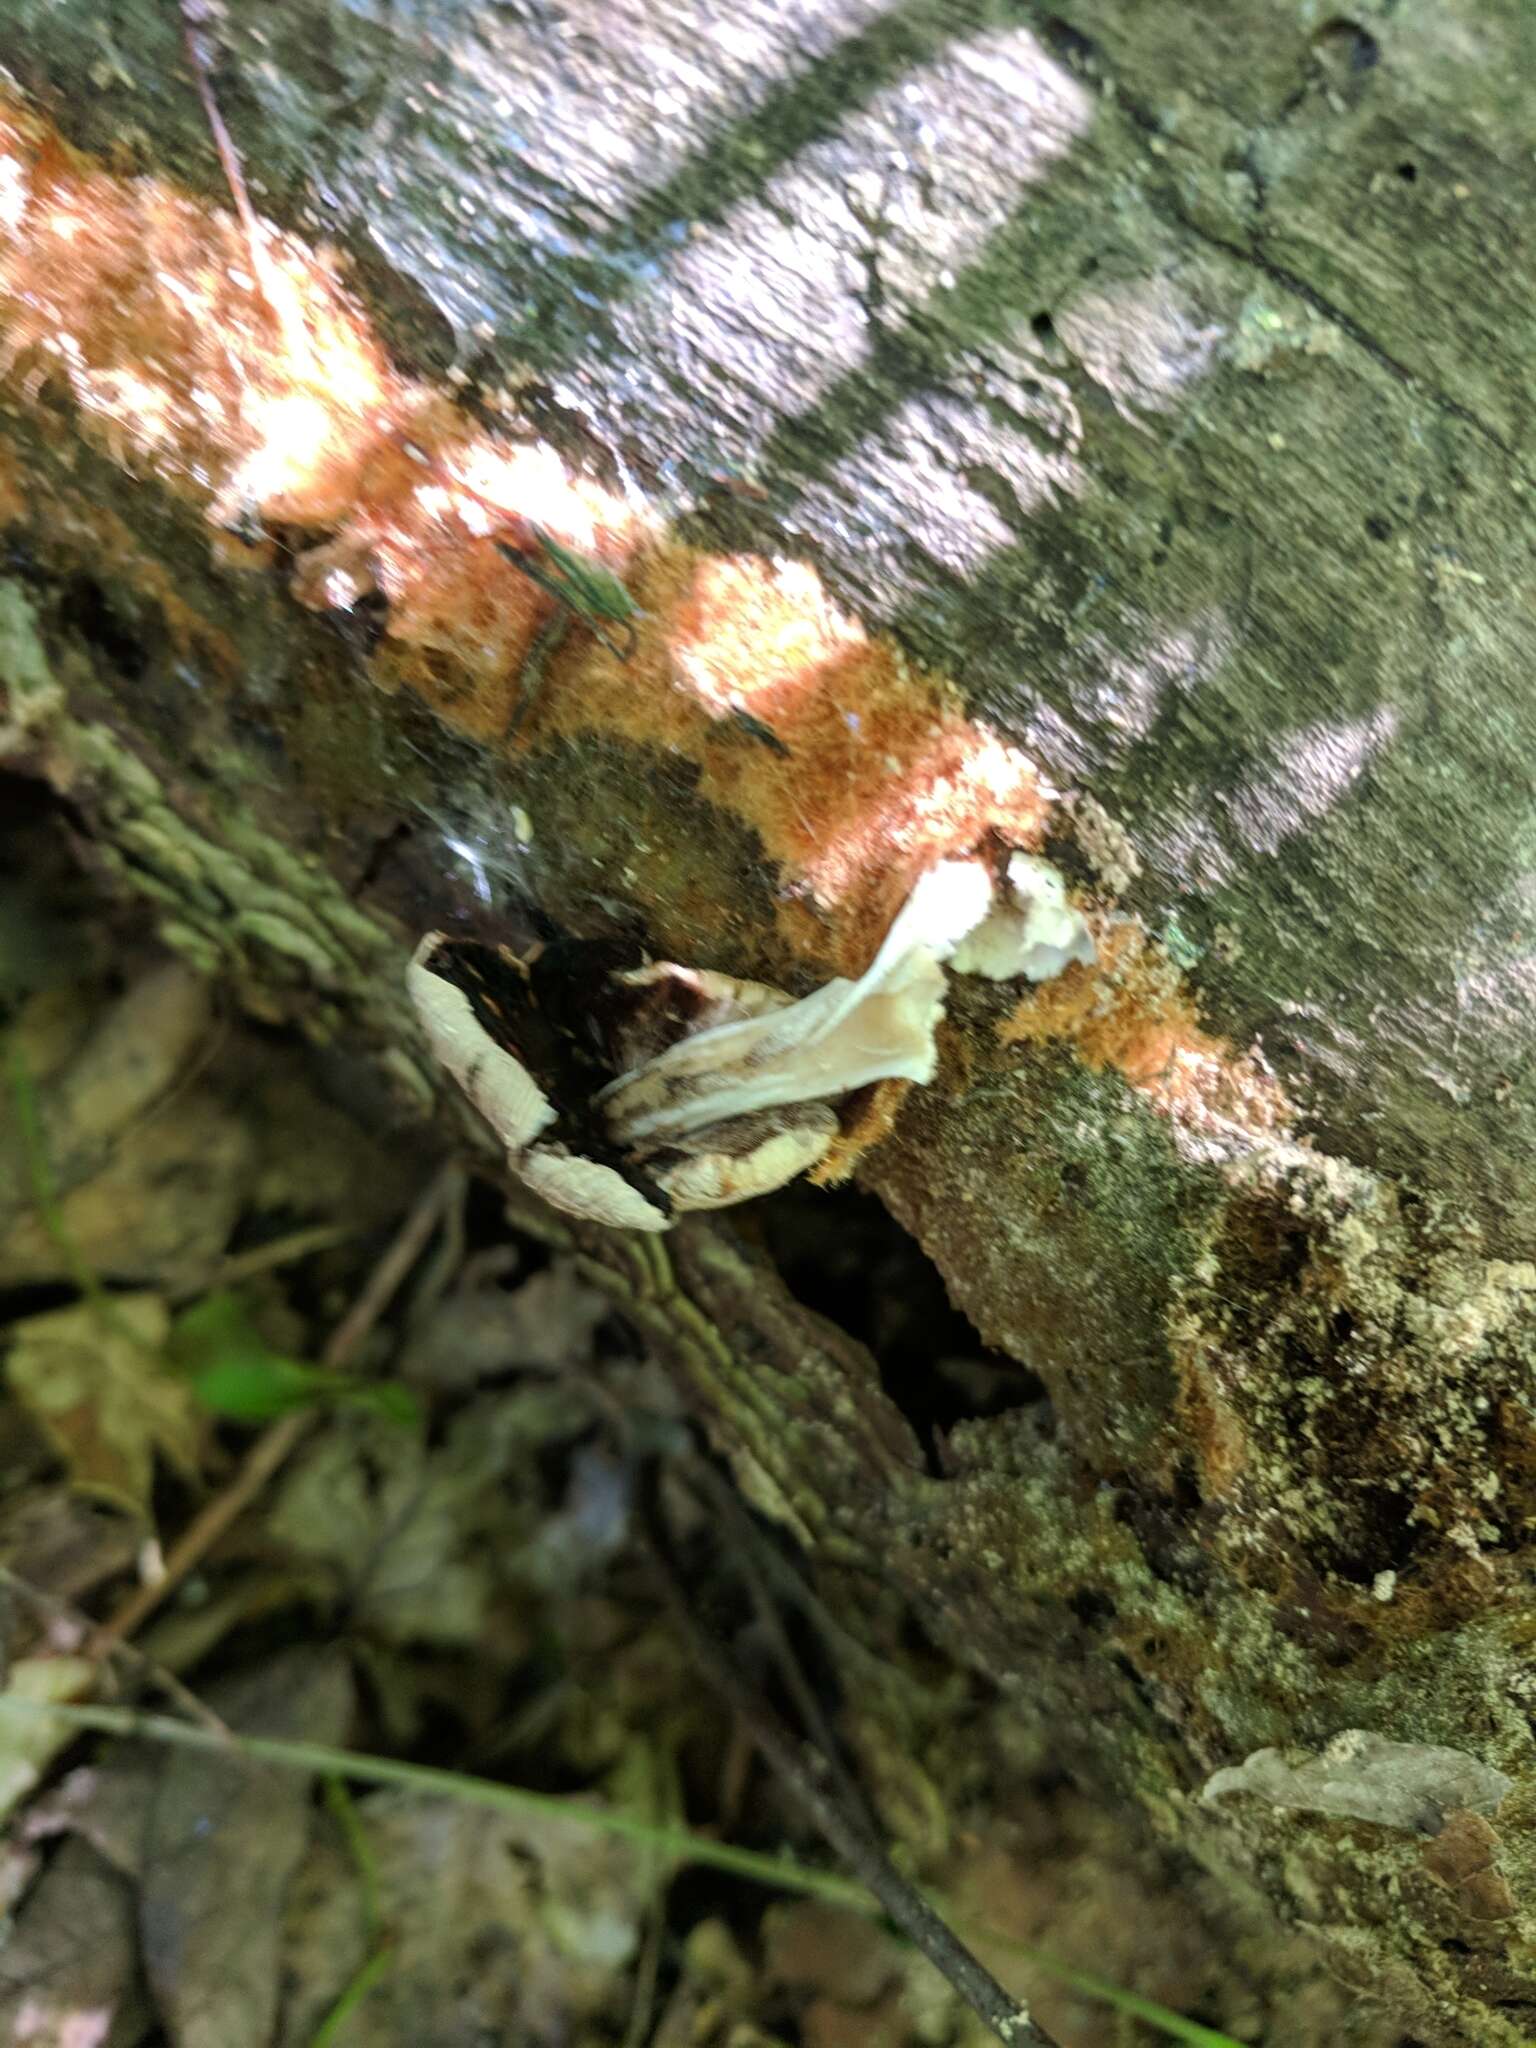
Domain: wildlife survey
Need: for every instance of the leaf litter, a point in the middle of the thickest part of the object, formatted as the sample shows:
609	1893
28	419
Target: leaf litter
99	1387
449	1573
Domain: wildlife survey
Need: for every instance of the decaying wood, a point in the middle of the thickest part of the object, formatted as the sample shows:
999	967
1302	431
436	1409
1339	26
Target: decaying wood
1160	376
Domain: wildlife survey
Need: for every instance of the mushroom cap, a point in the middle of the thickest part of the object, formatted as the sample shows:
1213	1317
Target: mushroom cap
842	1036
583	1187
732	1163
663	1004
494	1079
727	1085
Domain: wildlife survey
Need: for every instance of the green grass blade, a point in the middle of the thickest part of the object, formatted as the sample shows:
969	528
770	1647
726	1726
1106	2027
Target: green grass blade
667	1840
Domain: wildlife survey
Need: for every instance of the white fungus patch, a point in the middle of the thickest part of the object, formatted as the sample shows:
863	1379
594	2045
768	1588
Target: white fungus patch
497	1083
1031	929
742	1102
1361	1776
843	1036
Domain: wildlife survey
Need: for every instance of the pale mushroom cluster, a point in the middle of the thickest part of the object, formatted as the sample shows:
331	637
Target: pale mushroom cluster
725	1089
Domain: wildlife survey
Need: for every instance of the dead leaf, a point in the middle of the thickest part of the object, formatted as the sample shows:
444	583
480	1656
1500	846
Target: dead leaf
93	1380
69	1972
225	1836
397	1524
504	1928
136	1049
64	1543
321	1154
19	1863
151	1170
160	1207
843	1955
29	1741
826	2024
546	1323
716	1988
422	1538
105	1803
857	1982
589	1528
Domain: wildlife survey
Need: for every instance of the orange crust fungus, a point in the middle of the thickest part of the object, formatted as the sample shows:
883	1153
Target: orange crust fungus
855	771
1133	1011
272	407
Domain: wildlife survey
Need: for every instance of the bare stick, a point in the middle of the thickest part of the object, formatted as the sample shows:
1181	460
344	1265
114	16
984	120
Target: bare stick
971	1979
275	1445
263	1258
748	1545
50	1608
195	17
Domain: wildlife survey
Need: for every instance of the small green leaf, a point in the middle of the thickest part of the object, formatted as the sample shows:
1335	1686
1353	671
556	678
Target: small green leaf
385	1398
591	588
215	1331
236	1373
258	1390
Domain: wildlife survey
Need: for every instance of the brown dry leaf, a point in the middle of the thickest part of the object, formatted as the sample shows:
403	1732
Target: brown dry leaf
91	1377
161	1207
318	1158
69	1971
546	1323
715	1990
421	1539
152	1168
505	1928
397	1524
815	1948
63	1543
30	1741
135	1050
224	1838
106	1803
861	1988
826	2024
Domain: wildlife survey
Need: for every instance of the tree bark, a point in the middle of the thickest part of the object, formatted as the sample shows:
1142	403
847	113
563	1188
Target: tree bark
1160	375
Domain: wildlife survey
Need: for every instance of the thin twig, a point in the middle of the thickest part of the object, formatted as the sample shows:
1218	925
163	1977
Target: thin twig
909	1910
50	1608
195	17
264	1258
410	1241
444	1267
272	1449
261	1461
747	1547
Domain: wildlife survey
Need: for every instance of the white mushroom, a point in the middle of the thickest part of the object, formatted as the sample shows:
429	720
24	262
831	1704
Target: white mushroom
585	1187
496	1082
729	1163
844	1035
730	1084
